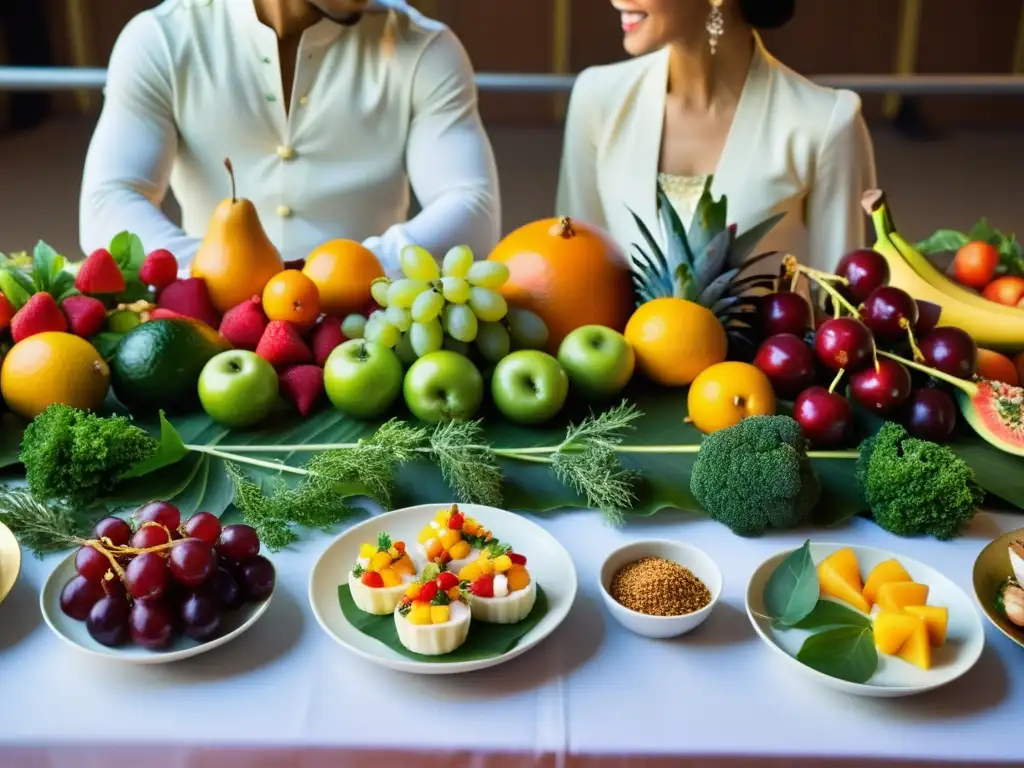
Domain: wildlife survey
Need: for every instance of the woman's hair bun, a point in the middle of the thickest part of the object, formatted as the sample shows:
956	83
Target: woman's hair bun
767	14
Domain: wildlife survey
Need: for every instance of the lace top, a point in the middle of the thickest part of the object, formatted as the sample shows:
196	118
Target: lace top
684	193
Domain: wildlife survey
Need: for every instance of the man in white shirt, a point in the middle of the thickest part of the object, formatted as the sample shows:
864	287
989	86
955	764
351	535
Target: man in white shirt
327	109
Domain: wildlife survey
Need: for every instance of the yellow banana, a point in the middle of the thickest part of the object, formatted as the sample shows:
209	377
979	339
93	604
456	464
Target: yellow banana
991	325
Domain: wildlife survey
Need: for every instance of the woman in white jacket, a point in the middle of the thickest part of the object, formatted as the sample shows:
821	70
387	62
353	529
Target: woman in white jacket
701	98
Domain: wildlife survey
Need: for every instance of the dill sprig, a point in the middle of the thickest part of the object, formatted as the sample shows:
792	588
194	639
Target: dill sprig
41	528
468	464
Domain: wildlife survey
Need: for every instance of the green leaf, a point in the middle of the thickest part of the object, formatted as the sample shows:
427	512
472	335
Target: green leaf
943	241
847	653
172	450
11	429
485	641
47	264
677	239
127	250
748	240
62	286
983	232
135	290
792	590
829	613
12	286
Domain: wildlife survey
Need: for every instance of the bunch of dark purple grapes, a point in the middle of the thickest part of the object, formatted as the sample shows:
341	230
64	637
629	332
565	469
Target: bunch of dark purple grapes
157	579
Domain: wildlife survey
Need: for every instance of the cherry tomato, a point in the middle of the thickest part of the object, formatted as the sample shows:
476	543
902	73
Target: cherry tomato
372	579
484	586
446	580
1006	290
455	521
975	264
427	592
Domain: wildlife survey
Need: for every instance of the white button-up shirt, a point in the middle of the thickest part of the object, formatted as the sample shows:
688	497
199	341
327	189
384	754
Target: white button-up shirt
376	106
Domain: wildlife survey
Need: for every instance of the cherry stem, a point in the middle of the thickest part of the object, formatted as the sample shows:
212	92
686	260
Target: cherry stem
967	387
914	349
824	281
835	381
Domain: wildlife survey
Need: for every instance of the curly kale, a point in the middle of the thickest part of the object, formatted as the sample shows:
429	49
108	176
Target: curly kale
76	457
914	486
756	475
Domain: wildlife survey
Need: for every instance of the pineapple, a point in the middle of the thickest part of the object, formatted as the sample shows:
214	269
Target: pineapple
696	265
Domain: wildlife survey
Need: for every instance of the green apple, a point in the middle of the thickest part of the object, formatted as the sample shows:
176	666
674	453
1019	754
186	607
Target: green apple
362	378
443	386
598	359
238	388
529	386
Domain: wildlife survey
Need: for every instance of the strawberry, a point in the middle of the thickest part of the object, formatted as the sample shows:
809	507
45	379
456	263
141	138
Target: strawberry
190	298
302	385
517	559
99	273
39	315
325	337
372	579
446	580
160	269
427	592
85	315
456	520
243	325
6	312
282	345
483	586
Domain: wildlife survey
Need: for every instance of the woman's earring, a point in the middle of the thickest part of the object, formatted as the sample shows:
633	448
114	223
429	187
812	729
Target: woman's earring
715	25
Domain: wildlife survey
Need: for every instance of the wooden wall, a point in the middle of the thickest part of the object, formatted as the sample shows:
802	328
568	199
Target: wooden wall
827	37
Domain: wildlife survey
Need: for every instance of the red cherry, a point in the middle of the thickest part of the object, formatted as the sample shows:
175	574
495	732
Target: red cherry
881	389
483	586
865	270
885	308
162	512
951	351
372	579
427	592
787	362
455	521
825	417
785	312
930	415
149	536
446	580
844	343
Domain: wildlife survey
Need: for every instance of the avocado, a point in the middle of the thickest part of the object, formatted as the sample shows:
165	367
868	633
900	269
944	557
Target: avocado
157	365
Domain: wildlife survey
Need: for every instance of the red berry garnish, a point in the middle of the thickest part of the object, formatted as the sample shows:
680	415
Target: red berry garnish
399	547
372	579
517	559
484	586
446	580
455	521
427	592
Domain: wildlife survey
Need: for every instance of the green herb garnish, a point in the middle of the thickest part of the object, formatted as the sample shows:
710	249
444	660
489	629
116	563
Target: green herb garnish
496	549
404	608
383	542
440	598
430	572
358	570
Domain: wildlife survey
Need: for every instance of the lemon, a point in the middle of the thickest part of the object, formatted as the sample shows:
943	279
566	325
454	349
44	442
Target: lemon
52	368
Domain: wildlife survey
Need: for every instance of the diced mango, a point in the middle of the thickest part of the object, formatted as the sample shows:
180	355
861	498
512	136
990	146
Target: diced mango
917	650
892	630
450	538
845	564
379	561
454	593
518	578
394	553
834	584
403	565
442	516
389	577
420	613
936	620
439	614
886	571
502	563
459	550
469	572
434	548
486	566
367	550
897	595
426	534
413	591
470	526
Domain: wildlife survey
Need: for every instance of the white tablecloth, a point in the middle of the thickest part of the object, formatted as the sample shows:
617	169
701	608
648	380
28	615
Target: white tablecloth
590	690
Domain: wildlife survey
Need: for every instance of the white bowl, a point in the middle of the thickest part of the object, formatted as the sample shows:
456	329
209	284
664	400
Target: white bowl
699	563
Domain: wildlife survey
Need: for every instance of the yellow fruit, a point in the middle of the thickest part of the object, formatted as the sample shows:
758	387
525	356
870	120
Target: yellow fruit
454	593
439	614
469	572
420	613
342	271
891	631
917	650
844	561
389	577
889	570
53	368
518	578
725	393
674	340
412	591
367	550
404	565
502	563
293	298
395	554
486	566
839	577
426	534
379	561
896	595
442	516
450	538
470	526
936	620
434	548
459	550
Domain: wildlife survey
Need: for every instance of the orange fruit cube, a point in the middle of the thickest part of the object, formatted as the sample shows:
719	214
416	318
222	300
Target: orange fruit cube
439	614
390	578
450	538
486	566
459	550
379	560
518	578
470	526
469	572
413	591
403	565
502	563
434	548
454	593
367	550
420	614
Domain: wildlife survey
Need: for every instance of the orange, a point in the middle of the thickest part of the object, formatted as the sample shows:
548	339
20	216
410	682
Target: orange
1008	290
674	340
570	273
975	264
292	297
724	394
343	271
997	367
53	367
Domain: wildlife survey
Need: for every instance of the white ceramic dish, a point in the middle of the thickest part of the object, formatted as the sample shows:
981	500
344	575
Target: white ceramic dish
699	563
74	633
547	560
894	677
10	561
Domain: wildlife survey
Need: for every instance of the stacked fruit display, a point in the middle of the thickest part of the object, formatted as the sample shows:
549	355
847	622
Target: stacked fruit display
161	578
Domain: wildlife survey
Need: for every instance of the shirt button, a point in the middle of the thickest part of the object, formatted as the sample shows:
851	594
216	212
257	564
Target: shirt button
285	152
303	101
284	211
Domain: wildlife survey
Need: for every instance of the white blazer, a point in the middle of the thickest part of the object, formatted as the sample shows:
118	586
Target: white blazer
794	147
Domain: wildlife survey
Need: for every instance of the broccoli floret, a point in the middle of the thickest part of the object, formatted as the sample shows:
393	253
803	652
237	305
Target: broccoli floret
77	457
914	486
756	475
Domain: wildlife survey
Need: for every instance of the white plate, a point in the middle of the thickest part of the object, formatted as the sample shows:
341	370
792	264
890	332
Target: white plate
549	564
894	677
10	560
74	633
